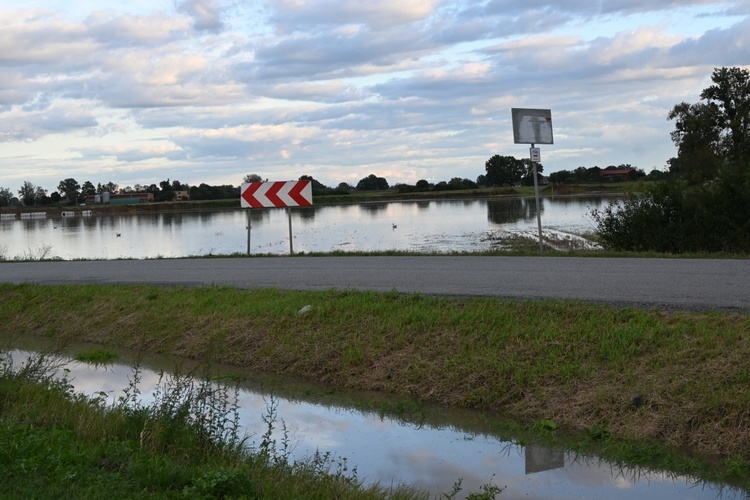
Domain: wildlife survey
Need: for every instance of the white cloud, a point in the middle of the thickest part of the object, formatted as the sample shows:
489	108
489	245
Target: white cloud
197	89
206	14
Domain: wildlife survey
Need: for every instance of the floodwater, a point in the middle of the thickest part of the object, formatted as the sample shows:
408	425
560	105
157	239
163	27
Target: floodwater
431	451
419	226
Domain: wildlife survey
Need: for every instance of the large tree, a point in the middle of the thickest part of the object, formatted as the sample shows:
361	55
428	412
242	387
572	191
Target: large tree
27	193
70	189
503	170
372	183
713	134
5	196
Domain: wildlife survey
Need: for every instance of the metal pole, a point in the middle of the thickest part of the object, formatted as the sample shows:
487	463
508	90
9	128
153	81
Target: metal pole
249	225
538	205
291	247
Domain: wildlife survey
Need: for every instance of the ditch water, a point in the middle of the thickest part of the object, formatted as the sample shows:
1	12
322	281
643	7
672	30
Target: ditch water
419	226
431	451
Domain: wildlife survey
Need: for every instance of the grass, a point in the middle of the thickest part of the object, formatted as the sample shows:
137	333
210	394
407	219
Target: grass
96	356
56	444
633	382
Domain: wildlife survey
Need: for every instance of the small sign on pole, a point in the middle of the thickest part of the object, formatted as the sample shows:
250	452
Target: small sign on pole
536	155
280	194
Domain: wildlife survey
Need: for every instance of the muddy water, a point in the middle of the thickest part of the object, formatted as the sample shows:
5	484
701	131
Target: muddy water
430	448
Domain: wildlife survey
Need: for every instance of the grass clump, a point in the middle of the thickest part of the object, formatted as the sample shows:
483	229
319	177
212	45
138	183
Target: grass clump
96	356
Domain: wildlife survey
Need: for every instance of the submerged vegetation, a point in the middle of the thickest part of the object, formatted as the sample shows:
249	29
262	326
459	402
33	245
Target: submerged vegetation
631	379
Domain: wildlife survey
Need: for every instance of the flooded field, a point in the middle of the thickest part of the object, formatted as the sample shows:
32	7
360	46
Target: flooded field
418	226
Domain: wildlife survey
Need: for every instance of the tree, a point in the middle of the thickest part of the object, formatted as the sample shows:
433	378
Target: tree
731	94
27	193
422	185
109	187
457	183
88	189
502	170
561	177
343	188
5	196
40	196
697	136
713	134
69	188
372	183
528	176
252	178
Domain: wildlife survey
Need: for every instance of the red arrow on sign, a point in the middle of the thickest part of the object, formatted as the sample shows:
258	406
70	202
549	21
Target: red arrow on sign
276	194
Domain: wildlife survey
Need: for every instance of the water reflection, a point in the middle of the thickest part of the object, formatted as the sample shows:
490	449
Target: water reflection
512	210
373	208
432	454
421	226
541	458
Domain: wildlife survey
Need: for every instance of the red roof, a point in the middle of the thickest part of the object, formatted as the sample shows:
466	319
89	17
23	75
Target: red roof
618	171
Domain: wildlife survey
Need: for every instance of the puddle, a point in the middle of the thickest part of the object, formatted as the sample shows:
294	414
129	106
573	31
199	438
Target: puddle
431	453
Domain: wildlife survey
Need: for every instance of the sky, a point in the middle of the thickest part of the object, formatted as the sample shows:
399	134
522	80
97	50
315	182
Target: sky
208	91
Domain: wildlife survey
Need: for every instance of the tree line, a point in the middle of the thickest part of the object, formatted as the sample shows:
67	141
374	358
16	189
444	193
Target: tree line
499	171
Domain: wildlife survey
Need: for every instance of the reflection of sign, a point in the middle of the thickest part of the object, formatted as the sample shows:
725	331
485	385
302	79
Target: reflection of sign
536	154
276	194
532	126
541	458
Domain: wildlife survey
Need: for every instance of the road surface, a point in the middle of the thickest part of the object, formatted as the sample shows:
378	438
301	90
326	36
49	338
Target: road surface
692	284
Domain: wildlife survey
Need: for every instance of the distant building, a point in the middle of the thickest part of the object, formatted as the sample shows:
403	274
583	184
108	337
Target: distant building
619	174
181	195
121	198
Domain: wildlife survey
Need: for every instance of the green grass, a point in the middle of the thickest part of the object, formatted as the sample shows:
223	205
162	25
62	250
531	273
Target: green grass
671	380
96	356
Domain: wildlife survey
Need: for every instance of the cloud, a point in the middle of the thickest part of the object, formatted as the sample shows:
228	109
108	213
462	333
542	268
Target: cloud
206	14
289	15
38	119
413	88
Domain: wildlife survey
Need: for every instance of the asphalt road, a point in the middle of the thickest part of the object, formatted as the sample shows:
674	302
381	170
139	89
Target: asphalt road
693	284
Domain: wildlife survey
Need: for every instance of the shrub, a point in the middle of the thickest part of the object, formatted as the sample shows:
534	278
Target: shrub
673	217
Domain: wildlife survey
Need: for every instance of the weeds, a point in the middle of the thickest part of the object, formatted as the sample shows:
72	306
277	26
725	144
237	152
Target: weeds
41	252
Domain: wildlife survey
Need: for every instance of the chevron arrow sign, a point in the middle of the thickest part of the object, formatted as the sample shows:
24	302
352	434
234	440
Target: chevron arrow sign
276	194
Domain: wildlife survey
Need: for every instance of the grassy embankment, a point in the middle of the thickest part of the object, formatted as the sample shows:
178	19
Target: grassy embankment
627	383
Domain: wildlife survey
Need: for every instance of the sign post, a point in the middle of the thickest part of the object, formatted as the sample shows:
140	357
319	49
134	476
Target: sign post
533	126
275	195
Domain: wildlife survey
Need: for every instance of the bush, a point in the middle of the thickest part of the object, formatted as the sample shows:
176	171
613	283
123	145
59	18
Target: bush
672	217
